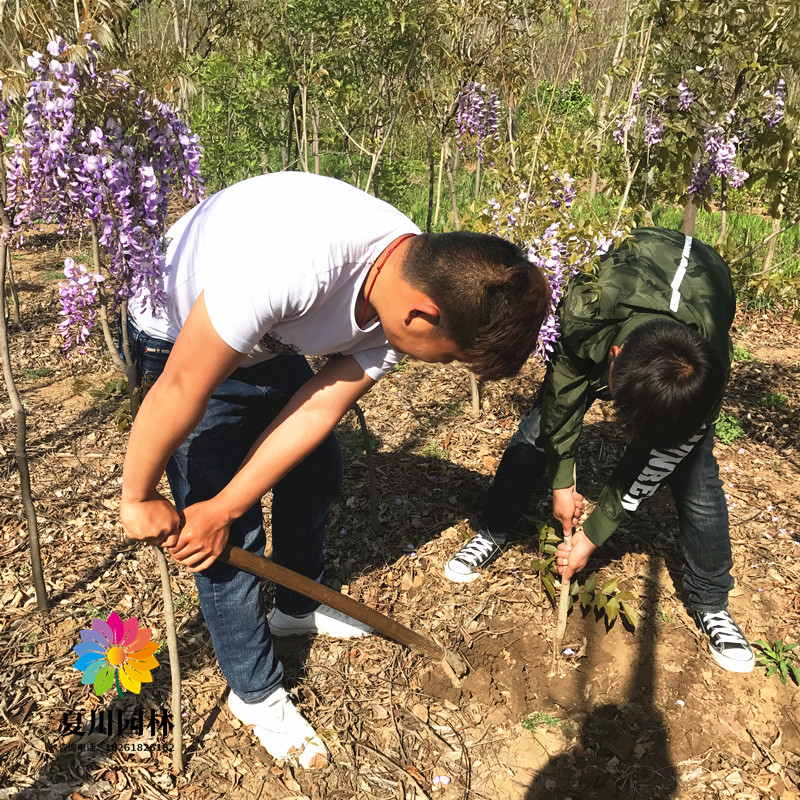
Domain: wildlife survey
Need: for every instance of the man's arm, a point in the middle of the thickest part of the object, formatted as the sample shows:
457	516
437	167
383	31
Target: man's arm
198	363
639	474
200	360
305	422
565	394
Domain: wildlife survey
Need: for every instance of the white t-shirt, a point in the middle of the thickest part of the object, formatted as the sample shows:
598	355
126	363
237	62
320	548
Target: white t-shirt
281	259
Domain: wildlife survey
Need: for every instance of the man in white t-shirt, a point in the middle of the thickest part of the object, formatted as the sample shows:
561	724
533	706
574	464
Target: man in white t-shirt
258	276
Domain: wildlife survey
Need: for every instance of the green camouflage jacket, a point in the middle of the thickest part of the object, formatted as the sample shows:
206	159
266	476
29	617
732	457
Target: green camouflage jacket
655	273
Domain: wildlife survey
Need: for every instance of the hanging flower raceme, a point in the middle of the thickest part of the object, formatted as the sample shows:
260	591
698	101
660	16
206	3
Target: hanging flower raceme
685	97
561	255
720	151
477	117
79	299
93	150
777	100
560	251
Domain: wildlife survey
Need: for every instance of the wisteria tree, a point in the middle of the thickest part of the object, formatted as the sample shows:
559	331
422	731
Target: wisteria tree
706	105
533	200
89	151
100	158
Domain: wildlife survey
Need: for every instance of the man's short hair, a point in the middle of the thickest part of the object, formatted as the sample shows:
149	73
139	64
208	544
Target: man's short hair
665	382
492	300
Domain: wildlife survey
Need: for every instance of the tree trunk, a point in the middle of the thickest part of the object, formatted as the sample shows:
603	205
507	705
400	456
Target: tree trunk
302	129
692	204
12	288
451	182
18	409
690	215
439	182
290	126
606	98
723	214
315	139
21	438
431	181
174	663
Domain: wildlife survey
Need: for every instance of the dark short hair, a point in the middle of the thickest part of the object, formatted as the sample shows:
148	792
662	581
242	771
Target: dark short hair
665	382
492	300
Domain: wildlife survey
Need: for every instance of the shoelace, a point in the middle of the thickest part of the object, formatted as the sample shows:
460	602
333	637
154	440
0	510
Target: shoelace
722	629
477	549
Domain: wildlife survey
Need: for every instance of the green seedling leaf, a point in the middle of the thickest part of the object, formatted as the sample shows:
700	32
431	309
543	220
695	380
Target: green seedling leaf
585	598
630	613
601	600
612	609
611	586
591	583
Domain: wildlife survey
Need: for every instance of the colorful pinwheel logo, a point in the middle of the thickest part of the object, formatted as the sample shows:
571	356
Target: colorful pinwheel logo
113	653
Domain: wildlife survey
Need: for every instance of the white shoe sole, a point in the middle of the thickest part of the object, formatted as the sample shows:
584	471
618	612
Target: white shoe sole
731	664
282	632
460	577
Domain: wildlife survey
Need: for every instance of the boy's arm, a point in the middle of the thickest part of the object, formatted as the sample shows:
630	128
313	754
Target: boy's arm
638	475
565	394
305	422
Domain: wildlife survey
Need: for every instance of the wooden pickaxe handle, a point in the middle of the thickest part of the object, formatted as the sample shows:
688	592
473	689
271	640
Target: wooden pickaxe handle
269	570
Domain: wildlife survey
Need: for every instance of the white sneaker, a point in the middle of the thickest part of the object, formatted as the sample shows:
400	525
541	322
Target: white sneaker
324	620
282	729
726	642
466	565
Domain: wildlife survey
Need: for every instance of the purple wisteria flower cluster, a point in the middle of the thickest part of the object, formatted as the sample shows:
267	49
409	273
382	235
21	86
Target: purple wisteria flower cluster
724	137
685	96
92	150
477	117
778	104
79	300
561	251
4	112
624	123
720	154
561	254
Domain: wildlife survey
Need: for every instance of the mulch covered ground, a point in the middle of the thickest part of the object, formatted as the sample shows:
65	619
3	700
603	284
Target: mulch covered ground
631	714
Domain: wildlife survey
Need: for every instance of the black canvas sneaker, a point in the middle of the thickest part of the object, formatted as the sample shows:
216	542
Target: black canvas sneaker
477	553
726	642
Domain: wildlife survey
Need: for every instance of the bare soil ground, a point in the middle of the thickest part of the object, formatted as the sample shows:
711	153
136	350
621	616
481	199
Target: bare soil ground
632	714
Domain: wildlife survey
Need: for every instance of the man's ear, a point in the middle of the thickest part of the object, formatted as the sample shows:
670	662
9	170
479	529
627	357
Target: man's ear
423	307
614	351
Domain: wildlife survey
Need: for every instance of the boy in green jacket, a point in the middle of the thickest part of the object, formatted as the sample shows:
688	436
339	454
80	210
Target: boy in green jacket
649	331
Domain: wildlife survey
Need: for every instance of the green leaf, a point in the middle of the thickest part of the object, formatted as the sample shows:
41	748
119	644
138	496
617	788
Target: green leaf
585	598
601	600
631	614
610	587
795	673
612	609
591	583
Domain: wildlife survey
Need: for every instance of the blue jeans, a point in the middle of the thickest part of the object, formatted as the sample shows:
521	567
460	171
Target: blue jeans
232	601
696	488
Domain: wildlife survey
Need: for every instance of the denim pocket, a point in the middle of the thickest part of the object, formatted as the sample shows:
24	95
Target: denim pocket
150	355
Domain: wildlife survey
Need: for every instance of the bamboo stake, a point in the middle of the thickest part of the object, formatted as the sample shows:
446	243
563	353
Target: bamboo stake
563	608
